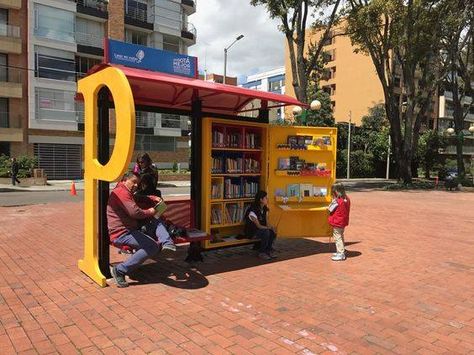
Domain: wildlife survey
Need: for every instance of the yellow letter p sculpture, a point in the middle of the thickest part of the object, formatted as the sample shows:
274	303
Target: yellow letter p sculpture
116	81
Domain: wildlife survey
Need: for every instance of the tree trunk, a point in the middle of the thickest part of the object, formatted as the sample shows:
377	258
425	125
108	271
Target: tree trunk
459	156
405	168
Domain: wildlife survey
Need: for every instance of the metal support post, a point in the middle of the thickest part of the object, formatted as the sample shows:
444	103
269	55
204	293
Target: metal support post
103	186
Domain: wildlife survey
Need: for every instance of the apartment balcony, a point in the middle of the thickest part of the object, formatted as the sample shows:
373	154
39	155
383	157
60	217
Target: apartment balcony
188	33
189	6
90	44
11	83
96	8
10	129
10	4
138	17
10	40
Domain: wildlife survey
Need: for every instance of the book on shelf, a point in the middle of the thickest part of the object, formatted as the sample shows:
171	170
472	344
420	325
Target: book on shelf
292	141
234	165
280	192
320	191
283	163
217	165
233	213
216	216
293	190
250	188
251	165
233	140
306	190
308	140
300	141
216	191
217	139
232	189
252	140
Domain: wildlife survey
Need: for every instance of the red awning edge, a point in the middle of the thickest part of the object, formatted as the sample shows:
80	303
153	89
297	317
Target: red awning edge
172	91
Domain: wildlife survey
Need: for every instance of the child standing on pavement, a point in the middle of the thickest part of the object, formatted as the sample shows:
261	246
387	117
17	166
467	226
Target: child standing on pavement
339	210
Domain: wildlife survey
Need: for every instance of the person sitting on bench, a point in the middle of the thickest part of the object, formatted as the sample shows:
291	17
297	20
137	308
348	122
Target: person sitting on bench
123	215
256	225
154	226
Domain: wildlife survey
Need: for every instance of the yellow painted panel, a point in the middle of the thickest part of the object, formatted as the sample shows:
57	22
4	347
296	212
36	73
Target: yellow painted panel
89	87
300	217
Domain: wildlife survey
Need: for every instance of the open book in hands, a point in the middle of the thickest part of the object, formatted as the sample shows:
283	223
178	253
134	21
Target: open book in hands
333	205
160	207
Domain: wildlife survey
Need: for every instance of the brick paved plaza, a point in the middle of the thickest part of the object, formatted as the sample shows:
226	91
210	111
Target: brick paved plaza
407	287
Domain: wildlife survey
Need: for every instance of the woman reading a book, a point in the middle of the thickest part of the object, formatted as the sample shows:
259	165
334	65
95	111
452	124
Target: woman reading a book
153	227
256	225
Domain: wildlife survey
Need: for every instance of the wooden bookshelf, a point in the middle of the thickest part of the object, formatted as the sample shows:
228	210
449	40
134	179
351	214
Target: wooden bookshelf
234	159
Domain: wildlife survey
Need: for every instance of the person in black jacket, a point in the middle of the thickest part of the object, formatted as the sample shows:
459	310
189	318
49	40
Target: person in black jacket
256	225
14	171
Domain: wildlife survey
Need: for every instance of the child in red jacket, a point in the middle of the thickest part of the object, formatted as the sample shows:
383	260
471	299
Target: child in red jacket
339	210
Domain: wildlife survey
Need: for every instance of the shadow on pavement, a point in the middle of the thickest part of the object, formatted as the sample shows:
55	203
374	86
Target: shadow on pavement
170	274
174	272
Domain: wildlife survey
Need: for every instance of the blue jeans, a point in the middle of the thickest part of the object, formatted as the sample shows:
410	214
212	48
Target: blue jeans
156	229
145	248
267	237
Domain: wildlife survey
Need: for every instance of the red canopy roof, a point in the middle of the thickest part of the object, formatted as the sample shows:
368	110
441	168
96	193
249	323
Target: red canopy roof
172	91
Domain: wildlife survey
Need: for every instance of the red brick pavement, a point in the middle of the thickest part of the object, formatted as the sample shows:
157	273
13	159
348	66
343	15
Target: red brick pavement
406	287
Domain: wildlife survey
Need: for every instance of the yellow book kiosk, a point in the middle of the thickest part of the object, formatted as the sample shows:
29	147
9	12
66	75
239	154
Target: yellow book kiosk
295	165
232	155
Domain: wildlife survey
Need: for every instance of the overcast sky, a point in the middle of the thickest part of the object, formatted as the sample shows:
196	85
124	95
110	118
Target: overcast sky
219	22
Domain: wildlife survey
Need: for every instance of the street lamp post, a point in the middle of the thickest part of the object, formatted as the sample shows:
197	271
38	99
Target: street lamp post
450	131
315	105
225	56
348	168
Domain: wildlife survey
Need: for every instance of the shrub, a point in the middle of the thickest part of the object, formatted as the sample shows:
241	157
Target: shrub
175	167
26	166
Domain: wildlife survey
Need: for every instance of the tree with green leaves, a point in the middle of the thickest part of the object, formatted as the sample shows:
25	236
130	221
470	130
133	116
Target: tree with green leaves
428	151
403	39
294	16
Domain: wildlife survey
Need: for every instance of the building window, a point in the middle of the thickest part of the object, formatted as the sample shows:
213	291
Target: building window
171	44
54	23
136	37
55	105
275	86
3	67
170	121
84	64
137	10
54	64
145	142
4	121
89	33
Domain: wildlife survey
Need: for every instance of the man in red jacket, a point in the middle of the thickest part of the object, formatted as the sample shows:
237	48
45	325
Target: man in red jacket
123	215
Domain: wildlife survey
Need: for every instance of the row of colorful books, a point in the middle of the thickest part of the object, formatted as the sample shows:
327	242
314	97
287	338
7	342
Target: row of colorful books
221	164
216	215
302	190
216	191
295	163
234	140
240	188
234	213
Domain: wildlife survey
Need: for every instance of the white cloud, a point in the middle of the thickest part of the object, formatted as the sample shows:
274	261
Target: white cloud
219	22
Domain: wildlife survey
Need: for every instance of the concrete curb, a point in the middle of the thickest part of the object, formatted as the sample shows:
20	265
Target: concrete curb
79	186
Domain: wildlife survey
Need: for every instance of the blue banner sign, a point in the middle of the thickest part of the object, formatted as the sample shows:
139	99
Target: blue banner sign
136	56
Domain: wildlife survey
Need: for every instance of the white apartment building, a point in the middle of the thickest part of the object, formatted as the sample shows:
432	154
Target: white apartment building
271	81
65	39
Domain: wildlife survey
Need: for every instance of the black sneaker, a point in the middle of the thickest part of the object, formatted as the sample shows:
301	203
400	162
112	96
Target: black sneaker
119	278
